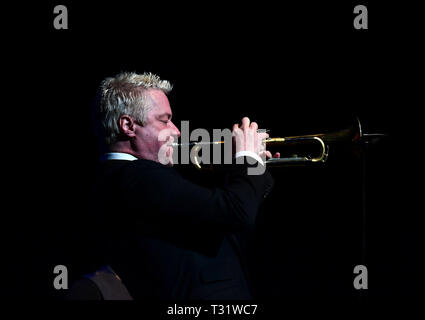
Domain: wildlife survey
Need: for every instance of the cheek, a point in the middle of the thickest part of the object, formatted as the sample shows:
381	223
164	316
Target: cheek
164	135
156	136
151	136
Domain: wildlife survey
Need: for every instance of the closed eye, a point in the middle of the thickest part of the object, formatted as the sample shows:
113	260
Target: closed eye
165	118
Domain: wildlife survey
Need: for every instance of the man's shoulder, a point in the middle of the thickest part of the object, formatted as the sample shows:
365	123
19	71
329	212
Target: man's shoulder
142	164
135	168
125	174
139	164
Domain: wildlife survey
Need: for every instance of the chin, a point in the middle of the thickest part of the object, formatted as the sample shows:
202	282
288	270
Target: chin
170	158
168	161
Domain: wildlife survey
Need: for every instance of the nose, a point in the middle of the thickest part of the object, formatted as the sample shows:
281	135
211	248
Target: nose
175	130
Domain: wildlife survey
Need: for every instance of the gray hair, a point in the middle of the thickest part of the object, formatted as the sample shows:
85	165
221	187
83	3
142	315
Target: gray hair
125	94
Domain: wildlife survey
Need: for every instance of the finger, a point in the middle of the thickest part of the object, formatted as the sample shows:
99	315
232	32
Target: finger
276	155
265	154
245	122
263	135
251	140
235	126
254	126
261	143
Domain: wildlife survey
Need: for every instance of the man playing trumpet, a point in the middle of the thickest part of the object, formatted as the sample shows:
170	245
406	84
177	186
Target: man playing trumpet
164	237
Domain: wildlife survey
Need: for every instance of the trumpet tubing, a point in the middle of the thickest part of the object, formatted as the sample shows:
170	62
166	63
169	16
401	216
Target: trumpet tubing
322	140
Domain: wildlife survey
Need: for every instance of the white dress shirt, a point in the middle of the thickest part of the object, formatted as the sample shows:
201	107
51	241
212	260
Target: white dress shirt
118	156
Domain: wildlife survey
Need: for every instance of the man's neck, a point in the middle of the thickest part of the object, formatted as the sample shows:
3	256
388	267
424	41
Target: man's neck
122	147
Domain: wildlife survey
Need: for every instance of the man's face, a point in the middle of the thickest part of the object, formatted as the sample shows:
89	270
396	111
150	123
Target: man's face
153	139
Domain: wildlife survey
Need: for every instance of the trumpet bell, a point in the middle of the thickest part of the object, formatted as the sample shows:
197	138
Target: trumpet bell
349	135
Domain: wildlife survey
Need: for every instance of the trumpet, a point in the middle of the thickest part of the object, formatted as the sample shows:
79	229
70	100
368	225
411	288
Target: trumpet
350	135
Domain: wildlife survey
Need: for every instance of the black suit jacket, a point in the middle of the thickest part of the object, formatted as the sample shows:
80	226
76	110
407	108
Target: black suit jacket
168	238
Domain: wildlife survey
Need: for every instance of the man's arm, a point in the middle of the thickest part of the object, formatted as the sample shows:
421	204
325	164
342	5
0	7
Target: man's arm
166	197
170	198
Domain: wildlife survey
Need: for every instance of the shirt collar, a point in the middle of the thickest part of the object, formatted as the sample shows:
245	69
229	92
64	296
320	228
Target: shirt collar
118	156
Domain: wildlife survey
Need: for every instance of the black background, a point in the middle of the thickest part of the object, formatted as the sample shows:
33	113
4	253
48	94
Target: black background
294	68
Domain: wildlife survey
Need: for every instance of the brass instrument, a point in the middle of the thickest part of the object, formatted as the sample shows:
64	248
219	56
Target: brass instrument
323	140
349	135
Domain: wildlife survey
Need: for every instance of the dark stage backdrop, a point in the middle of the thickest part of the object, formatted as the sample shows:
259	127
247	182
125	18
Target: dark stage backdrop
293	68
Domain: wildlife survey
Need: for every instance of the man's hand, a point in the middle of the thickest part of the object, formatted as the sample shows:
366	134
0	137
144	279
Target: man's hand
247	138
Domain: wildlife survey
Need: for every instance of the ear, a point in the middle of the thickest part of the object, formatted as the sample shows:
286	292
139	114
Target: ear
127	125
